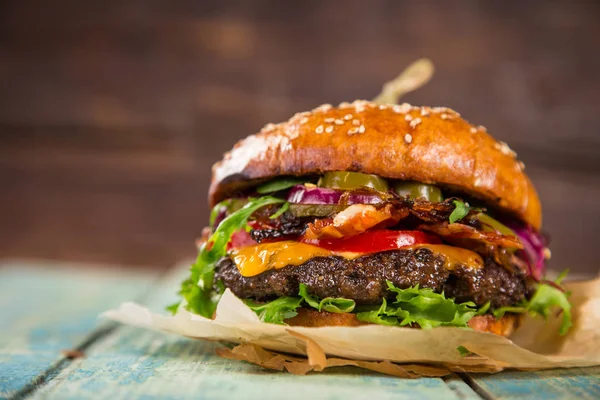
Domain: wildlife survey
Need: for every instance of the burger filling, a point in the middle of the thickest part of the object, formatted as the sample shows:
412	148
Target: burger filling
389	252
364	279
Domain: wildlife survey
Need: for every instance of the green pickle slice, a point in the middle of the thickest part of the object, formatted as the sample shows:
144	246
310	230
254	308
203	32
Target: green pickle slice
345	180
314	210
417	190
489	224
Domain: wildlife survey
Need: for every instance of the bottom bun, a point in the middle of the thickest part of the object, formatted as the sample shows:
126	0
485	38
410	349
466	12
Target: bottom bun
309	317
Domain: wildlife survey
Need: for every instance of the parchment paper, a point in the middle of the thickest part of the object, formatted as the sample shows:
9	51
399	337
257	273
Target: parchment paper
433	352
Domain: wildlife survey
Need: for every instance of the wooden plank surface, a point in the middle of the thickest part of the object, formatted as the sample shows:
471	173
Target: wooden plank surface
45	310
460	387
575	383
141	364
135	363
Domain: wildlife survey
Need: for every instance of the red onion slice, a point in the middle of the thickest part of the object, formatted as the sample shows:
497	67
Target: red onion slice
534	244
300	194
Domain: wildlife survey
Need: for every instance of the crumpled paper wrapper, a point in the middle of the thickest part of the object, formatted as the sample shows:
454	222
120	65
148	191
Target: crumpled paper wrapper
403	352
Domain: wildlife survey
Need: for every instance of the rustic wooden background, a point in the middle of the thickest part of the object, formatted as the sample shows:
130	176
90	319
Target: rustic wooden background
111	112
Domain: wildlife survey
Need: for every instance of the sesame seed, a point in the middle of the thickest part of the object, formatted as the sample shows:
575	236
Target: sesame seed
408	138
352	131
361	129
329	129
304	120
504	149
382	107
319	129
339	122
360	105
348	117
445	116
473	130
355	122
445	110
402	108
477	182
268	127
329	120
324	107
345	104
300	115
415	122
408	117
424	111
521	165
482	128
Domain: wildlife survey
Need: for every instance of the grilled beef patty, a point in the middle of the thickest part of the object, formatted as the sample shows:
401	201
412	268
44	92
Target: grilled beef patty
364	279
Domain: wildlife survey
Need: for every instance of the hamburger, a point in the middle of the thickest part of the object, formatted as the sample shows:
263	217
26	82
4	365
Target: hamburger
371	213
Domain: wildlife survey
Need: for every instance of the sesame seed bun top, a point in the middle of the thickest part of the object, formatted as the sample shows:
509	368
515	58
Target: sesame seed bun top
426	144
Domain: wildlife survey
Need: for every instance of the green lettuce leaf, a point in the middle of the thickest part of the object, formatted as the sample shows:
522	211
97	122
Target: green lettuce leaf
197	290
411	306
173	308
546	297
423	307
543	300
376	315
330	304
460	211
279	184
223	205
463	351
276	311
281	210
561	276
228	205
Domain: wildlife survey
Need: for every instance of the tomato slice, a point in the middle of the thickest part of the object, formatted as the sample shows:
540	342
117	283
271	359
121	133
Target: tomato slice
375	241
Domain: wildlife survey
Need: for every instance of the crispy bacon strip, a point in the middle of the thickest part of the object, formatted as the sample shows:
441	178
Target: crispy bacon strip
499	247
354	220
461	231
428	211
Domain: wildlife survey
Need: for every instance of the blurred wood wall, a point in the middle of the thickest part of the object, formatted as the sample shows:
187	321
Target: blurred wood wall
112	112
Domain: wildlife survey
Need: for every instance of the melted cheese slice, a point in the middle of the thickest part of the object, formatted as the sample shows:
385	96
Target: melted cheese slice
254	260
455	256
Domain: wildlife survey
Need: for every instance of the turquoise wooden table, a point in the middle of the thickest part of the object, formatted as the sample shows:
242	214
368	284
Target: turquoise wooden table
53	346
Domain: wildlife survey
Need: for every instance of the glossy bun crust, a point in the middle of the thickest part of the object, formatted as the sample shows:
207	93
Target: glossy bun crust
504	326
426	144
